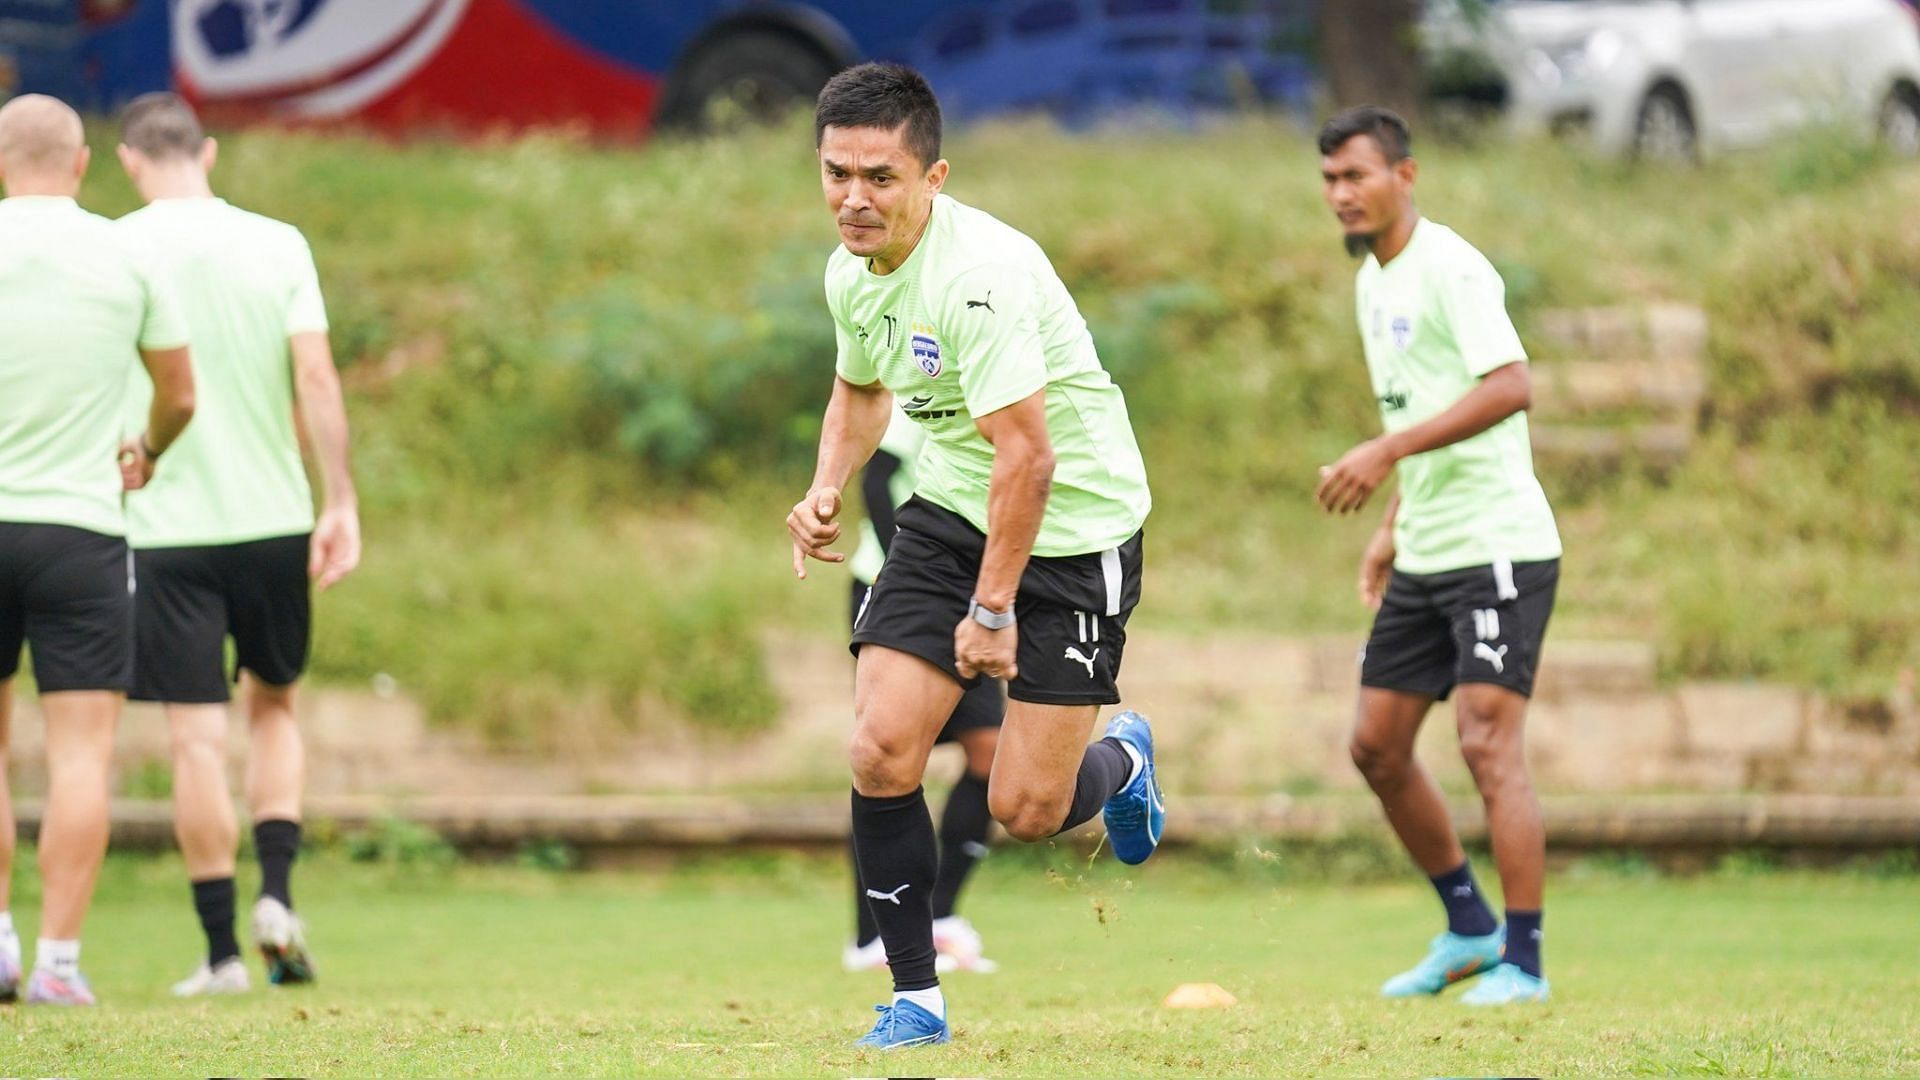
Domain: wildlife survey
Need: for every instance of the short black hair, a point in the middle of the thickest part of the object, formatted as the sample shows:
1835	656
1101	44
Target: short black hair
1387	129
161	125
883	96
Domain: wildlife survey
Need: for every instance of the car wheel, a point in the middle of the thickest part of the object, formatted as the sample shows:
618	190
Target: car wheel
746	77
1900	121
1663	129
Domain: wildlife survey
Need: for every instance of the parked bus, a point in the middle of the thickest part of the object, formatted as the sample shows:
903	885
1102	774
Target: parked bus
620	68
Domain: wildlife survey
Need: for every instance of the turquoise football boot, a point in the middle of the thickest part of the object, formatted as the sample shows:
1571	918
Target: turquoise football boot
1506	985
1451	958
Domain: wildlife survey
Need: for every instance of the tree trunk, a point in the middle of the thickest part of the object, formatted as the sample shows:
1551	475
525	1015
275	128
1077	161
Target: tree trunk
1371	53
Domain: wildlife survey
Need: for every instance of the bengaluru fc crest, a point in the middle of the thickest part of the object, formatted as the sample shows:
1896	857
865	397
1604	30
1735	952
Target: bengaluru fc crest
926	353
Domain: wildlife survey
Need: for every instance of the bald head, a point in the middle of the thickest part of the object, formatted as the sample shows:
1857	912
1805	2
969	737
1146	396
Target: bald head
43	147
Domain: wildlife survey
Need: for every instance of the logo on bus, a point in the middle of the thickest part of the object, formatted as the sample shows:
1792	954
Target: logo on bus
312	58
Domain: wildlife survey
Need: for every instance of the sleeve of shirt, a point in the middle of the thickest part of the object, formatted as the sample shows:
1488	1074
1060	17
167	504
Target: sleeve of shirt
850	353
1475	301
992	328
162	325
306	309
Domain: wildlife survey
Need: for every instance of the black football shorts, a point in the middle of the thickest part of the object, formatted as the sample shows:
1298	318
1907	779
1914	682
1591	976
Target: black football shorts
190	599
1072	610
65	592
1484	624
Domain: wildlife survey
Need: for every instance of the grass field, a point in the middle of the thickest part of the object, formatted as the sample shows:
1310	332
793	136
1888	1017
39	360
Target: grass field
730	968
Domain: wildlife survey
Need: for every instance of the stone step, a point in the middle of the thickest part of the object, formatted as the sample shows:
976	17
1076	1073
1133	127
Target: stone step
1235	715
1613	386
603	823
1656	445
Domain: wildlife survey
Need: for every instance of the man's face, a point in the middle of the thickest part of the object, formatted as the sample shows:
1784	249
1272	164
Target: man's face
1366	192
879	192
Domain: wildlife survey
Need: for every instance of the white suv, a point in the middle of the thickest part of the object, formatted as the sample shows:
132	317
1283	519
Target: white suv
1679	78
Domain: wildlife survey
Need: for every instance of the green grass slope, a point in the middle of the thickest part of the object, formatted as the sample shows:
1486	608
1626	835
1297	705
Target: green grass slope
585	384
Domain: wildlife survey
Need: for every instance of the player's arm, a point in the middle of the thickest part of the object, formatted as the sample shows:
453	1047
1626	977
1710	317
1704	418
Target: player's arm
855	423
1016	503
162	344
1003	376
1376	563
1473	303
1346	484
1016	496
322	410
172	373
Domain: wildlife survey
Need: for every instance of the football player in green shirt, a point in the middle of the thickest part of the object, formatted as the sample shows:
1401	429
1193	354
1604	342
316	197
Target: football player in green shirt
1461	574
83	310
1018	557
226	542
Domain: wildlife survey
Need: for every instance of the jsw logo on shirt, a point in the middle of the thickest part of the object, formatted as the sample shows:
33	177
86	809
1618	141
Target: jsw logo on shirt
1394	397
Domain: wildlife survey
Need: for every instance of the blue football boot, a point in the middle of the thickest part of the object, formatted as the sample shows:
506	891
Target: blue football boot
903	1024
1136	814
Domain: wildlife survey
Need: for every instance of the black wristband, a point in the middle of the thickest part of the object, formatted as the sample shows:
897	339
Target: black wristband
147	448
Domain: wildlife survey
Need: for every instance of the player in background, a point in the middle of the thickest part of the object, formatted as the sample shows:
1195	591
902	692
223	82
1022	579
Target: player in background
1030	489
226	542
885	483
1462	570
82	311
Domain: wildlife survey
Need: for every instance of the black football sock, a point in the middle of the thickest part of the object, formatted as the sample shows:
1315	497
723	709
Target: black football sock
276	843
213	901
963	840
1103	772
894	842
1467	913
1523	941
864	928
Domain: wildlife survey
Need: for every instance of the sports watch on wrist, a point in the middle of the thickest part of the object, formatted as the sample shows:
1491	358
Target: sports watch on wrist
987	617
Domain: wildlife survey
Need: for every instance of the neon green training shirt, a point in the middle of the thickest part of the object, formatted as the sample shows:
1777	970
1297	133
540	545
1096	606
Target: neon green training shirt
78	300
246	284
974	321
1433	322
